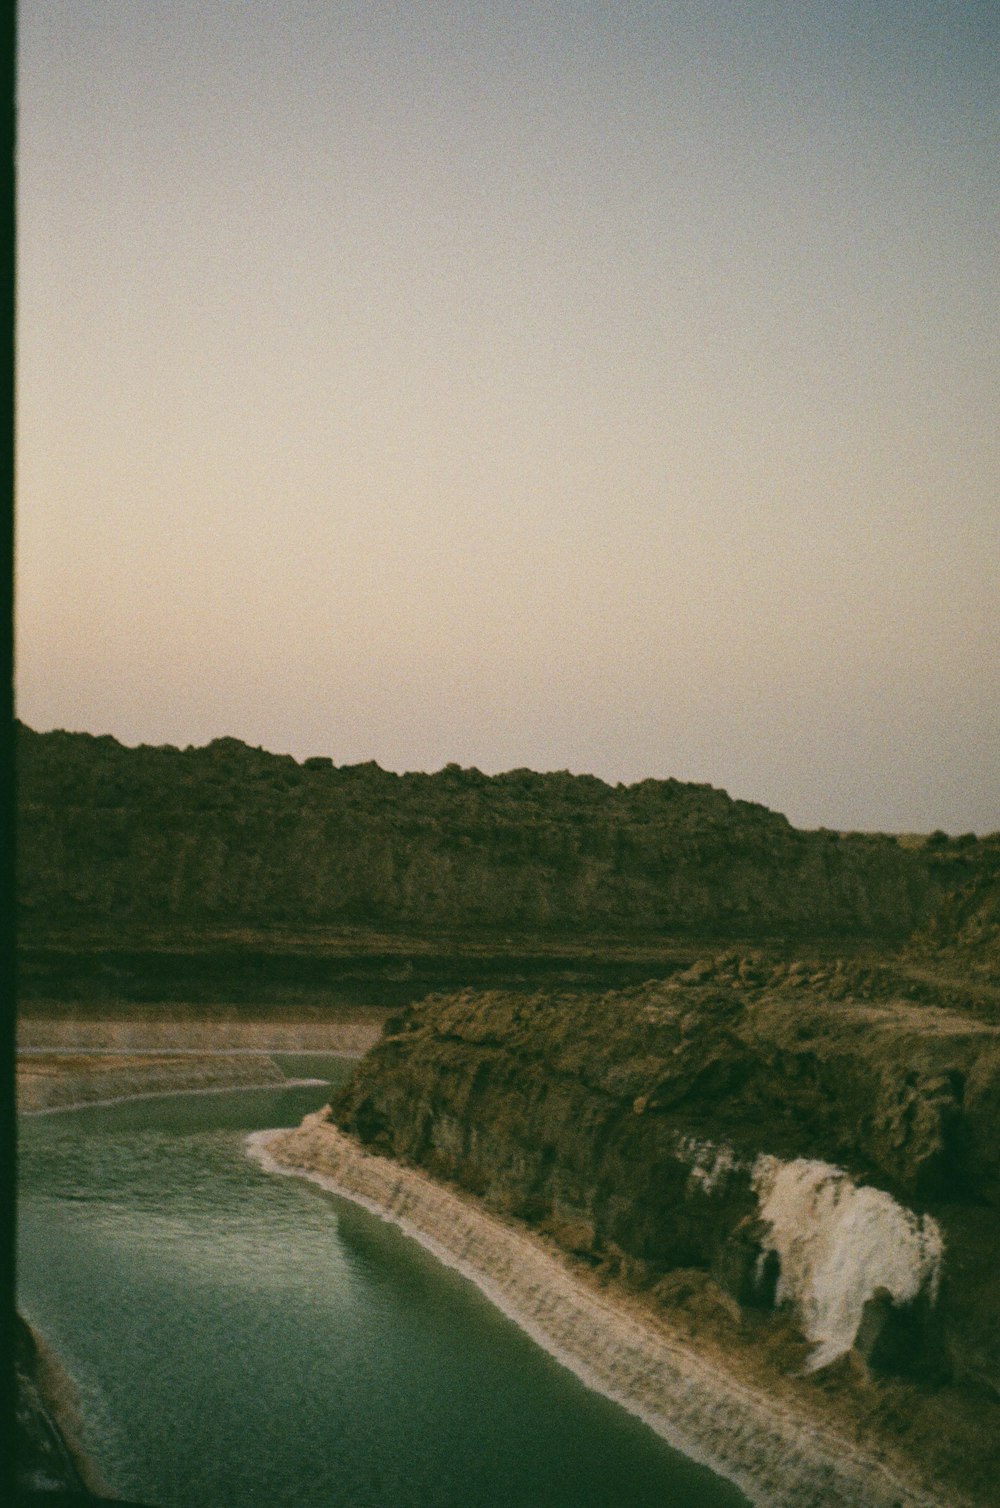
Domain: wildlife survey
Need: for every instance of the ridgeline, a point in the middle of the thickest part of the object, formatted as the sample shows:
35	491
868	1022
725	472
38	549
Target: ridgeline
228	873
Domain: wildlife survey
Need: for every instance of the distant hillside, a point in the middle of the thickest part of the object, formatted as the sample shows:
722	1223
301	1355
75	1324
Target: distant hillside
114	839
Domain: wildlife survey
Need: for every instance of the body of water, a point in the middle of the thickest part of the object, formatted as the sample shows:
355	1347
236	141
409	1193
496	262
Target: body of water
238	1338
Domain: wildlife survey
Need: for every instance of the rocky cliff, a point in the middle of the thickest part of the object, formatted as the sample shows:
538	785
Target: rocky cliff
963	933
810	1158
118	838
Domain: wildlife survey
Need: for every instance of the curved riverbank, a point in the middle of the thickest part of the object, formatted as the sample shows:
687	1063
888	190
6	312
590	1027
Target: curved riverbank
50	1459
780	1454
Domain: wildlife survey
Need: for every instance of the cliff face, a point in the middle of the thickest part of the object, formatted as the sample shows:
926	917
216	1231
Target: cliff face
228	835
725	1129
963	934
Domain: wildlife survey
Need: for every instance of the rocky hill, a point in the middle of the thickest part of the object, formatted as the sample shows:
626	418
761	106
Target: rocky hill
117	839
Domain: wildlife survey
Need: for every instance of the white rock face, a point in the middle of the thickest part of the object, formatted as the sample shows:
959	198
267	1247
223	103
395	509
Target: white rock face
838	1244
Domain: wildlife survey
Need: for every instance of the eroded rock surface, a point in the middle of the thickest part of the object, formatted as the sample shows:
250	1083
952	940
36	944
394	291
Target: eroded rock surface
631	1128
231	834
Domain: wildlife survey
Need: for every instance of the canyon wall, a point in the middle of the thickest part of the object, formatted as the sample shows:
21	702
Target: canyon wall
230	836
835	1159
810	1145
962	934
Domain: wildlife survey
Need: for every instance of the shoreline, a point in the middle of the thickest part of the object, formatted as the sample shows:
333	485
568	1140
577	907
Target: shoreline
172	1034
187	1052
50	1394
45	1085
780	1456
59	1398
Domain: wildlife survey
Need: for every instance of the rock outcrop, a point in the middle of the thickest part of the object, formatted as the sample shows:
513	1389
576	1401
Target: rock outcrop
963	934
829	1163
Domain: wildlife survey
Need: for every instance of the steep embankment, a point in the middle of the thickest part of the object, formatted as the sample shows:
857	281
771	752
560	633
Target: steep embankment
779	1452
832	1166
230	836
47	1453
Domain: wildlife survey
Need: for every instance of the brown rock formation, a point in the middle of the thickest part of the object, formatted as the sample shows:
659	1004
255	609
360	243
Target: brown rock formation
630	1128
117	838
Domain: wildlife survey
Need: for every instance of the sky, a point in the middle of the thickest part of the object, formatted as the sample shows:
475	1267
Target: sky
547	383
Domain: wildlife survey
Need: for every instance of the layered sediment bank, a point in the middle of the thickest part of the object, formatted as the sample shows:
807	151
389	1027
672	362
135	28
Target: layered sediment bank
345	1035
75	1061
780	1455
59	1081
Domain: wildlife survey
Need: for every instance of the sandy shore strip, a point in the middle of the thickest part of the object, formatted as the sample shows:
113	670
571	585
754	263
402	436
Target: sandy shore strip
779	1457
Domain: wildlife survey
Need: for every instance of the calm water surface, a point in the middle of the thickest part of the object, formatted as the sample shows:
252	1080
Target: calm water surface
238	1338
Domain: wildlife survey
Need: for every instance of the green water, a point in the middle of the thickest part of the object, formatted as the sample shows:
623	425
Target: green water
240	1338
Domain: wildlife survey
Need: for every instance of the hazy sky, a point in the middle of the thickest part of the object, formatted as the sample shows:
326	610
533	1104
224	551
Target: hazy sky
610	387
